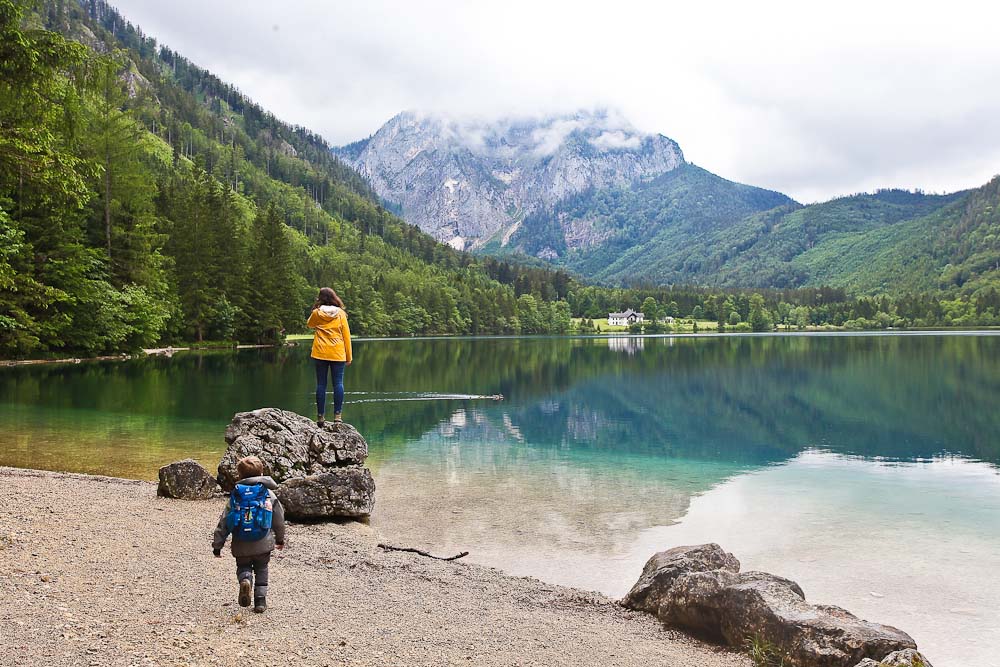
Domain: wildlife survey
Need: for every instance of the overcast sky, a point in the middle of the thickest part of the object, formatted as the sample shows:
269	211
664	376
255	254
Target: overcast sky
812	102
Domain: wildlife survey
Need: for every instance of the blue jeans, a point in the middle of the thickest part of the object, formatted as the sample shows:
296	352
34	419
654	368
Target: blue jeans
337	367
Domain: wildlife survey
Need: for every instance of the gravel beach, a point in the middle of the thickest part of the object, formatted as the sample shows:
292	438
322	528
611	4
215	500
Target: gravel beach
100	571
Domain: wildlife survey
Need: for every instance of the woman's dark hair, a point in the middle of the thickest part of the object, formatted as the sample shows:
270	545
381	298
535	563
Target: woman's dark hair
327	297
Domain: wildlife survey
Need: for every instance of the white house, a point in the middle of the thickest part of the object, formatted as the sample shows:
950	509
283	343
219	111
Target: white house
624	319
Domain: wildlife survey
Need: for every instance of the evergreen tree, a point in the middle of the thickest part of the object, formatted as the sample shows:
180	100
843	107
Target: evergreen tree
273	277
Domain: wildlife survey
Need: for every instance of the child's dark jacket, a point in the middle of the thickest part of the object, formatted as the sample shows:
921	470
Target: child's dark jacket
265	544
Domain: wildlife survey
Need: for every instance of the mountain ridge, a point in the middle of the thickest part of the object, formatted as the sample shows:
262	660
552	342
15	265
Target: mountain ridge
666	220
467	181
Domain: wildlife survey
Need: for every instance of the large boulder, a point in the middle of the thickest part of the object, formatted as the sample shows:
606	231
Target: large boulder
766	607
696	600
905	658
664	567
187	480
289	444
700	589
341	492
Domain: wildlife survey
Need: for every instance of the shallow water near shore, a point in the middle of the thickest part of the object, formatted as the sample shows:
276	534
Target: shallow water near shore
863	466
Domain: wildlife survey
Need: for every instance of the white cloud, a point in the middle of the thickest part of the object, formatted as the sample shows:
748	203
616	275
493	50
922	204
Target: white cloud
617	139
549	138
811	99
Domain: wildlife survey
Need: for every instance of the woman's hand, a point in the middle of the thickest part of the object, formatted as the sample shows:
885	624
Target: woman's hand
348	363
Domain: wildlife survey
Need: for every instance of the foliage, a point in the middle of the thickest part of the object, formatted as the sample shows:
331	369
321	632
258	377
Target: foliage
763	653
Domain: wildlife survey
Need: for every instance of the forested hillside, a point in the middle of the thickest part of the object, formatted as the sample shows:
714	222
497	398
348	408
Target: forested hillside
692	227
143	200
646	227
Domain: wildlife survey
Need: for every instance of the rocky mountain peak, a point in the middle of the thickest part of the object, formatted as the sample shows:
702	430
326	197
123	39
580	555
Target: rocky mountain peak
468	180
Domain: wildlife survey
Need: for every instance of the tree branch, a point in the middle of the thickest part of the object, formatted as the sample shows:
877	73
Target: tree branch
389	547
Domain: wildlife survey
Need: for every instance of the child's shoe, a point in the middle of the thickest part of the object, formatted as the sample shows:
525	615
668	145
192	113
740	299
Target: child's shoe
259	605
245	593
337	419
320	421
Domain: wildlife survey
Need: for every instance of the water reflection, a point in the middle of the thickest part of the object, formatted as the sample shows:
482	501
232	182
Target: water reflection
911	544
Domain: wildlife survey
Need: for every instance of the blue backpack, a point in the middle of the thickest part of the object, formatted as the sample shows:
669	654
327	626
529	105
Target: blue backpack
250	511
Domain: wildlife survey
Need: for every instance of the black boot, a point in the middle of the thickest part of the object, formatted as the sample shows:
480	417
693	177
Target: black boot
259	604
245	587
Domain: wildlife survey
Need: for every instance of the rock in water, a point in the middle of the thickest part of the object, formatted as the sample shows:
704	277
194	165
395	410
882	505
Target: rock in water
701	589
661	570
289	444
806	635
340	492
186	479
906	658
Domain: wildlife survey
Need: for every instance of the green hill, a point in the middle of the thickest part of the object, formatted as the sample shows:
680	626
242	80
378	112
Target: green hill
691	227
649	227
888	242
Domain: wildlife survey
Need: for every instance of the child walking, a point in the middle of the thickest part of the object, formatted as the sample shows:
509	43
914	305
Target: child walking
331	350
257	521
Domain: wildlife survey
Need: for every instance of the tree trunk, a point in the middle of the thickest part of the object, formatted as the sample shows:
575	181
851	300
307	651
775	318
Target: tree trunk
107	201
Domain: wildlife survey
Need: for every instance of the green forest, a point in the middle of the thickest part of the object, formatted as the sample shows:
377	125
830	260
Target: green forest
689	226
143	201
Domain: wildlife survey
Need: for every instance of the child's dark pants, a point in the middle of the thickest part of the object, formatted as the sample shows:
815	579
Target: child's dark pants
248	567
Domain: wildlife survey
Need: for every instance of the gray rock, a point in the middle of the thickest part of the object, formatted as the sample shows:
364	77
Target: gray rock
769	608
289	444
700	589
341	492
466	181
905	658
187	480
696	600
692	602
664	567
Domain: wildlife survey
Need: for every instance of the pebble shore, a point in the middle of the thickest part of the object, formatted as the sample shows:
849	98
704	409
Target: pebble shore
100	571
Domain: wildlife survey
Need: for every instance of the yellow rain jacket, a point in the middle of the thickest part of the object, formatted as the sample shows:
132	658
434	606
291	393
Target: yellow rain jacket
332	341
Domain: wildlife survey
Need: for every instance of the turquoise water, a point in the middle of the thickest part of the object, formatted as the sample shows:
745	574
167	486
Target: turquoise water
863	466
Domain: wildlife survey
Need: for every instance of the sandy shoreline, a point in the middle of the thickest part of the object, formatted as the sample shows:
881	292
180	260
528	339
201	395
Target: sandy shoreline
99	571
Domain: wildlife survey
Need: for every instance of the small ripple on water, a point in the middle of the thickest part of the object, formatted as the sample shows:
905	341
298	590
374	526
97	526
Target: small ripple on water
394	396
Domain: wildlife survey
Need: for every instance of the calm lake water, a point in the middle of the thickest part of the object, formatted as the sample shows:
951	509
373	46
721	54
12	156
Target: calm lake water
863	466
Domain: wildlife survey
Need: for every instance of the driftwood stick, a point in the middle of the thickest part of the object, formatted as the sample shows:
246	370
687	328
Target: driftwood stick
389	547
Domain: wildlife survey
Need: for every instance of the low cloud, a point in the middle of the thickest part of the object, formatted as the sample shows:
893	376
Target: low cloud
615	140
812	100
548	139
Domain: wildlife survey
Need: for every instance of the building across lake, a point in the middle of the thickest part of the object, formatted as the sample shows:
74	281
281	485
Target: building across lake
624	319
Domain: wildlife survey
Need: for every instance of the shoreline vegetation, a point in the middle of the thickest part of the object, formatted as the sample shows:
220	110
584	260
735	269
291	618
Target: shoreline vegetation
335	598
294	340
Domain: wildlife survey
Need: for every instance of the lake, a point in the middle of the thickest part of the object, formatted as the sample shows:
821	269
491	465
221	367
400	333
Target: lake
863	466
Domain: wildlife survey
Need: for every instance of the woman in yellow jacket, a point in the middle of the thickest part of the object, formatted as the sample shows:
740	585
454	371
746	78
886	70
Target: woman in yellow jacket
331	350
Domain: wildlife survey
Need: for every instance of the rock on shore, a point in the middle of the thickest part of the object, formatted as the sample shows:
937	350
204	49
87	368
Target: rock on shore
342	492
318	468
906	658
700	589
187	480
289	444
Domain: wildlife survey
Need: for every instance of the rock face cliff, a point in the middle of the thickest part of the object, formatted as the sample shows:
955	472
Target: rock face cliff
470	183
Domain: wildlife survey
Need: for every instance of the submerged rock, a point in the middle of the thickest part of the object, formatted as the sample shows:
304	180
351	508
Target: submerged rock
905	658
342	492
187	480
700	589
664	567
289	444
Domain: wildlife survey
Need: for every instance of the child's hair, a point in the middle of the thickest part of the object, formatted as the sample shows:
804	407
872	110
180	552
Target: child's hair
250	466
